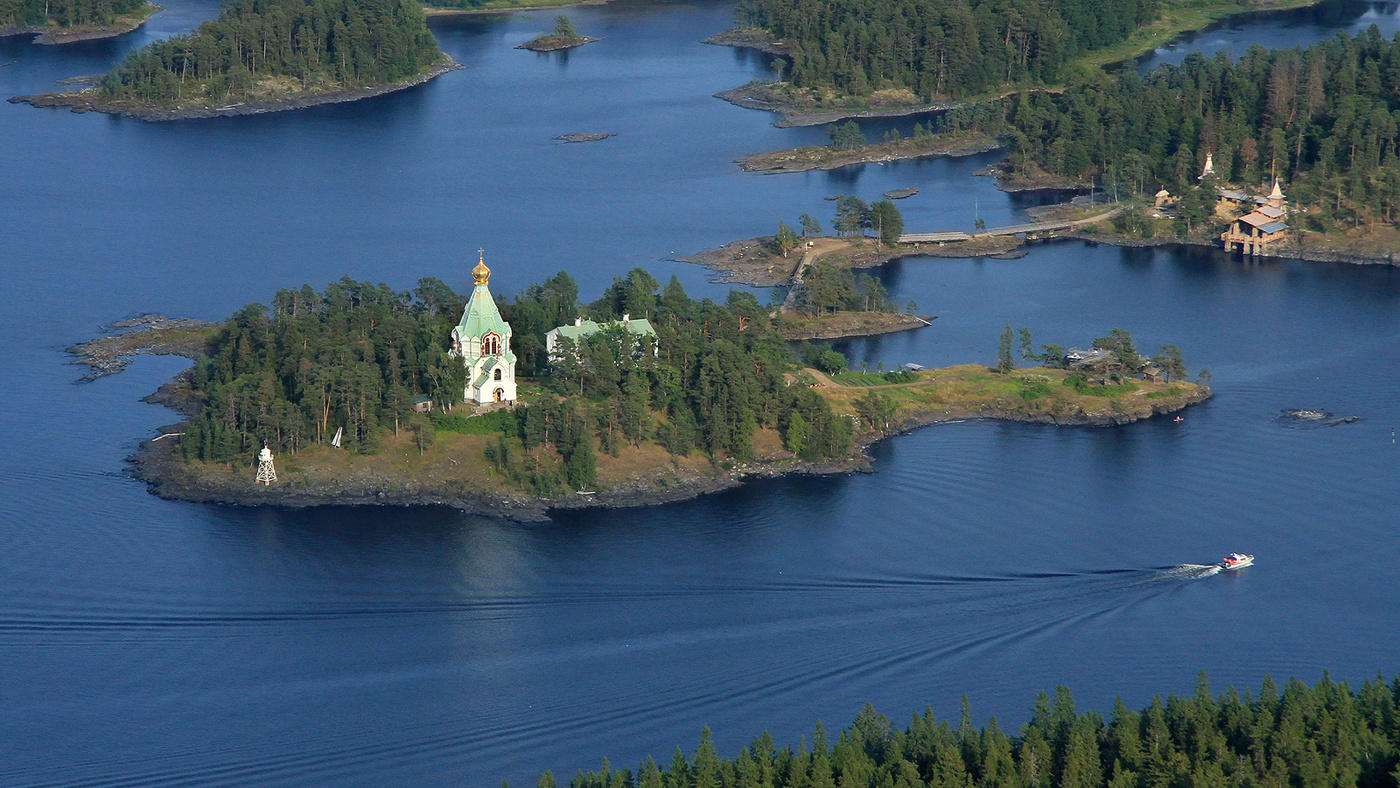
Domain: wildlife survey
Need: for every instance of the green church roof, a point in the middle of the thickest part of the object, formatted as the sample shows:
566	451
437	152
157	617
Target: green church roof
588	328
481	316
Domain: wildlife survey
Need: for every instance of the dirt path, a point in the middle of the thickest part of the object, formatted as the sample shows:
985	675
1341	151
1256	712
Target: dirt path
818	247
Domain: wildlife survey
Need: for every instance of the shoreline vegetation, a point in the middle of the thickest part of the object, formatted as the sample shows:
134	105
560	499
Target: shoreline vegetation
563	36
814	103
92	99
50	34
450	473
826	157
262	56
600	429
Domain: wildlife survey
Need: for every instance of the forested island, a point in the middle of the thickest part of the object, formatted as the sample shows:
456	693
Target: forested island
1322	120
269	55
888	58
1301	735
69	21
563	36
717	395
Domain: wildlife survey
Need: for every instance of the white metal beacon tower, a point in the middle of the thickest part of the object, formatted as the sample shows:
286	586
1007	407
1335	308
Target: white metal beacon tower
266	473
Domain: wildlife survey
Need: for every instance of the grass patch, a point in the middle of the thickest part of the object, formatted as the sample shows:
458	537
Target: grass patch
485	424
850	378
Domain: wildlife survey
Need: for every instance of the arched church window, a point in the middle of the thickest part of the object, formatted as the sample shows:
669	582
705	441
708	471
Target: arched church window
490	345
497	376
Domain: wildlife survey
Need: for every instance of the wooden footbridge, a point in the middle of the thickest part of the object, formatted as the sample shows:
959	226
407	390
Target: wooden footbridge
1028	228
818	247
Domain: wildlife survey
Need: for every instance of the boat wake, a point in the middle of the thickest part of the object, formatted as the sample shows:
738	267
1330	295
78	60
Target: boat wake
1189	571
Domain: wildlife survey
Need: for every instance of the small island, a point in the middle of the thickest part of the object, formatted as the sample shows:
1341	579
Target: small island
582	136
847	152
365	395
563	36
71	21
221	69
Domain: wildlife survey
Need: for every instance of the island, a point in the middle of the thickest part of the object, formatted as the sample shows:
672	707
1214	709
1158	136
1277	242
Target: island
71	21
563	36
1307	172
845	151
366	395
936	55
289	60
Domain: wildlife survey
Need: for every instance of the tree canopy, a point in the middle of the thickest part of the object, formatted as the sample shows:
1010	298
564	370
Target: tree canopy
939	48
1299	735
64	13
284	46
1325	120
356	355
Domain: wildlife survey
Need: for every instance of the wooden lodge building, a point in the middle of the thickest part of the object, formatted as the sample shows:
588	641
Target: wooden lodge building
1258	230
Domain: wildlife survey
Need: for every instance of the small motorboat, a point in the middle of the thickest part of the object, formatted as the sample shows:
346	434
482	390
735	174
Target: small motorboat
1236	561
1178	418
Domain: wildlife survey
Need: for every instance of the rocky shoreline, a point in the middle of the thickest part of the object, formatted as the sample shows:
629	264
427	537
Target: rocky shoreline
759	96
544	44
789	160
150	334
157	464
91	101
854	324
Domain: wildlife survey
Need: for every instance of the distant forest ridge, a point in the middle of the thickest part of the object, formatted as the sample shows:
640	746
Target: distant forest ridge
64	13
939	48
1325	120
257	47
1320	735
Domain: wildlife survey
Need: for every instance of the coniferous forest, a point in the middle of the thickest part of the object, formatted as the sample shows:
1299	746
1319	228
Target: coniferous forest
1324	120
939	48
1320	735
64	13
282	46
355	356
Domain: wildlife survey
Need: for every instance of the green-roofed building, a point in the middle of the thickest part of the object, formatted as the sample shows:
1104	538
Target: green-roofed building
635	329
482	340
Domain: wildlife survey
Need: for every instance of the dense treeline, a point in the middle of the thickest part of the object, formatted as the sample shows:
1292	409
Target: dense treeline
713	375
828	287
303	44
1324	119
356	355
1323	735
939	48
64	13
352	357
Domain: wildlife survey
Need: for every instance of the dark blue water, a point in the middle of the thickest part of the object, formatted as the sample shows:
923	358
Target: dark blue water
145	641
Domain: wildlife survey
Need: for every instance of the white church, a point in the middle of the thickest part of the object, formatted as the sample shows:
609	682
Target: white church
482	340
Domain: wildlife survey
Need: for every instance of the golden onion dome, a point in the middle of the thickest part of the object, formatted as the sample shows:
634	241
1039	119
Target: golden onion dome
481	274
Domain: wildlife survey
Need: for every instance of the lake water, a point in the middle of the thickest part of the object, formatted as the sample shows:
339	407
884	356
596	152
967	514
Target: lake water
146	641
1299	27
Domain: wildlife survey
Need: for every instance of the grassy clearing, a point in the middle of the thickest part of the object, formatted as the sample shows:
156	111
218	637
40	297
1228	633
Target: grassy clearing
973	389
